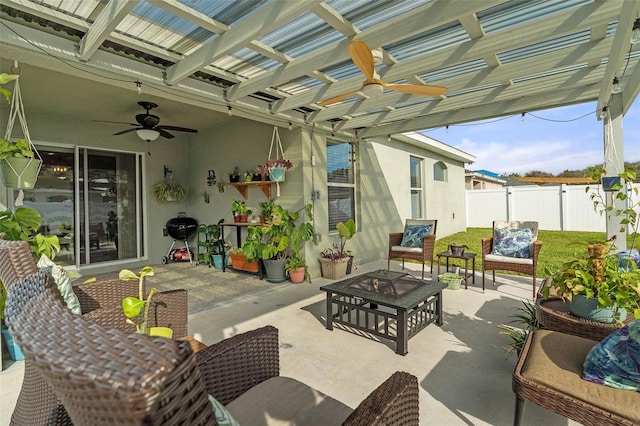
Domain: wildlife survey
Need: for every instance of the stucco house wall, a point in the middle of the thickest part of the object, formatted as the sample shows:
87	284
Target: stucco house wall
383	195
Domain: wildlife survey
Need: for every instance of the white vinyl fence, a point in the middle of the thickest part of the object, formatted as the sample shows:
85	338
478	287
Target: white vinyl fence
555	208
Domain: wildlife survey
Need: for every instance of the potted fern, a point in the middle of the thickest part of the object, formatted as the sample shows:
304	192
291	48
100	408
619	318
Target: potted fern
168	190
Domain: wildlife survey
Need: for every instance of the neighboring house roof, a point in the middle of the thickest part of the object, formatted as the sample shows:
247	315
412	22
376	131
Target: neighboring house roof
418	139
540	180
482	175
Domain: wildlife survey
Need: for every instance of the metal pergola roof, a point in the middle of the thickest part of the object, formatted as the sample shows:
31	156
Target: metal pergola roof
276	59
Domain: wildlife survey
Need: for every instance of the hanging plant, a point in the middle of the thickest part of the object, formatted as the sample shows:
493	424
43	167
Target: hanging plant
168	190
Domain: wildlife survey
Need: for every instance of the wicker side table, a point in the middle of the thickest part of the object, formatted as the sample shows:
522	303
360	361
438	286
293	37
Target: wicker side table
553	314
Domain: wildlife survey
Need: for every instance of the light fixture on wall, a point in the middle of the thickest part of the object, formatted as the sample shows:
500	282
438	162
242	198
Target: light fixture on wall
372	90
635	32
148	134
616	86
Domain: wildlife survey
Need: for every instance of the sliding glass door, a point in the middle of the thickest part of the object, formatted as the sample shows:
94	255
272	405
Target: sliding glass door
90	199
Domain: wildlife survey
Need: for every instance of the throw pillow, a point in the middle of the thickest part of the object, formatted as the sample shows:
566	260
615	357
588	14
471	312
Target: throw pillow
615	361
223	417
414	235
512	242
63	282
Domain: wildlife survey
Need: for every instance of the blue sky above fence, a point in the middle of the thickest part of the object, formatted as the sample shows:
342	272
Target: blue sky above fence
545	140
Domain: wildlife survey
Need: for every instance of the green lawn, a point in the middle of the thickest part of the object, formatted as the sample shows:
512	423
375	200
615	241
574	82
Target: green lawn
557	246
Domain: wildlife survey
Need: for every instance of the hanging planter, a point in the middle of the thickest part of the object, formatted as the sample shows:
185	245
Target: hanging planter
20	162
278	166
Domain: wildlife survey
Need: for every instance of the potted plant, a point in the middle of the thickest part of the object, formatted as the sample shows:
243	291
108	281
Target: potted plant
277	168
136	309
240	211
601	284
239	261
527	318
218	246
346	231
168	190
206	196
275	240
598	286
234	176
333	263
296	267
19	165
266	207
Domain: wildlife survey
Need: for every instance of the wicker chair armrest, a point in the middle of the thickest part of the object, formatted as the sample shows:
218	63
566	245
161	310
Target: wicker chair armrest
395	238
234	365
394	402
537	245
429	244
487	243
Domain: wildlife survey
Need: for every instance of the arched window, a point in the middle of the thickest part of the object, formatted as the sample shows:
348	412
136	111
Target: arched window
440	172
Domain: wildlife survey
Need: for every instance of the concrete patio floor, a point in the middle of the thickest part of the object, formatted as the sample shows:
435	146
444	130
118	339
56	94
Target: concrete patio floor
462	369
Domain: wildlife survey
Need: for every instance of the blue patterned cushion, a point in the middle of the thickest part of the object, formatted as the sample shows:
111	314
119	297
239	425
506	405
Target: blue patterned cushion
512	242
414	235
615	361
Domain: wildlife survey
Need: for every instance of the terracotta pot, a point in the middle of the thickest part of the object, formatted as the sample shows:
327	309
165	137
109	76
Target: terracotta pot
239	261
243	218
297	276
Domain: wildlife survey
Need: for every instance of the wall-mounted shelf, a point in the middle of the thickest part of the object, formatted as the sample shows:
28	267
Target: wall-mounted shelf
243	187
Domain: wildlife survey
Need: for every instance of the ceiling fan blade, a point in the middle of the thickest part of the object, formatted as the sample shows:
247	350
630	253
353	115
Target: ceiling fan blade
362	57
127	131
338	98
417	89
176	128
115	122
164	133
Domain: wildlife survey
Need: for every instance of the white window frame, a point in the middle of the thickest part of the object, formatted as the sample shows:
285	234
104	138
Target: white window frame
418	191
349	161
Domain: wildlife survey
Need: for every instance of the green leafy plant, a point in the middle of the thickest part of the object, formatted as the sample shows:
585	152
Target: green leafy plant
266	207
136	309
346	231
22	225
518	335
239	207
167	190
601	273
21	148
279	237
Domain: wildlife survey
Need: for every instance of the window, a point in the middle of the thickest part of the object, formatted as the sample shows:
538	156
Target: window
341	186
440	172
415	164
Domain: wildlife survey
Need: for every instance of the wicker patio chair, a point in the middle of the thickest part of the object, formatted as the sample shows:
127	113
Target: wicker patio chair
549	374
527	265
100	302
105	376
422	253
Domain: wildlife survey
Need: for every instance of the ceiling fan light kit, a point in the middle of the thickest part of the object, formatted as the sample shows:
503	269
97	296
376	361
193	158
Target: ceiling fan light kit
372	90
147	135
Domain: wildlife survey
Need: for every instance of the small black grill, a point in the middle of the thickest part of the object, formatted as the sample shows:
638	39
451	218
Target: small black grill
180	228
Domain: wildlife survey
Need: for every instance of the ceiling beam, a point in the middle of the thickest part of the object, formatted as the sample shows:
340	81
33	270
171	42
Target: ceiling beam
526	34
333	18
200	19
406	24
492	110
515	94
107	21
632	87
259	23
621	41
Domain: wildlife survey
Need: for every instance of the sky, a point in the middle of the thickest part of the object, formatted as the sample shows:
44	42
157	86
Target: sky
510	145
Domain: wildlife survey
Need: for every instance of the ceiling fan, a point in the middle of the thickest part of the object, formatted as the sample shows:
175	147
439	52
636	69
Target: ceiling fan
373	86
148	126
